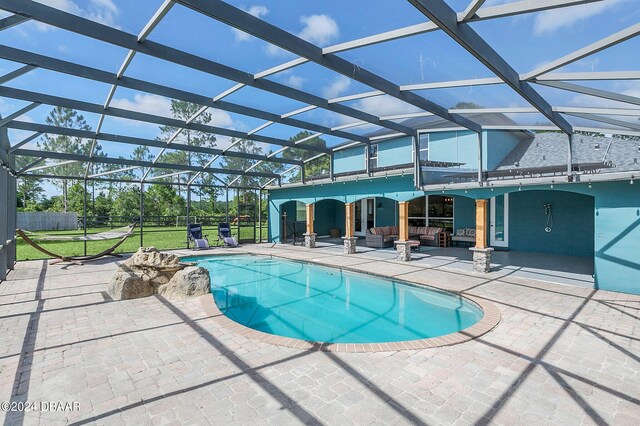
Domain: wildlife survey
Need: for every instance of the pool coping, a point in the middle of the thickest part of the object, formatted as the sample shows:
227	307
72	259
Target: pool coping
490	319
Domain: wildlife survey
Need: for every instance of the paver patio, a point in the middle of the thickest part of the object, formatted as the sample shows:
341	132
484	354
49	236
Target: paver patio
561	354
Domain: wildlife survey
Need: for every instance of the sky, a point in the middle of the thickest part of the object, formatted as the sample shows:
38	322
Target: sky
525	41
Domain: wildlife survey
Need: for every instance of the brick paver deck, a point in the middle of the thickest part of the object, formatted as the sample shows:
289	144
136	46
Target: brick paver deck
562	355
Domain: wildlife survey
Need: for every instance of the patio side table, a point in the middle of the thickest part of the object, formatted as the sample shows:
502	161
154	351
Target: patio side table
444	239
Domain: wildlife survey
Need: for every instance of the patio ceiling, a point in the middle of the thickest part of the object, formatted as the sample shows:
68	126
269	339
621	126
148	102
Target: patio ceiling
281	95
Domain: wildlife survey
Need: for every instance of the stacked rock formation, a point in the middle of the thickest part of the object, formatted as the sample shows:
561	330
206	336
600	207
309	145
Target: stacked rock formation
150	272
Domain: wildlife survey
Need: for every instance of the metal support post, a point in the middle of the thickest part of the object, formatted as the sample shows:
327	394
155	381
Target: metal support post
570	158
4	211
417	174
480	174
141	214
227	205
259	215
84	216
367	159
331	166
188	211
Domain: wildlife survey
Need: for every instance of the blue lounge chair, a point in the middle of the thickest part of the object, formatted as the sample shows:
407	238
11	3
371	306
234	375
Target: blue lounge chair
224	235
194	233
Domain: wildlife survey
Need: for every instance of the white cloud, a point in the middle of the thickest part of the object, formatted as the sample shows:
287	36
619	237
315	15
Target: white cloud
295	81
381	106
319	29
385	105
152	104
258	12
102	11
158	105
220	118
273	50
337	87
551	20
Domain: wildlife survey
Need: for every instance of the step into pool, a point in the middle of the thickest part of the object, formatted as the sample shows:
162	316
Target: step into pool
324	304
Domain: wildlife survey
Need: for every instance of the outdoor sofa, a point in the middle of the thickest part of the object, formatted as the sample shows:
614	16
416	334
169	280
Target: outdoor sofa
384	236
464	235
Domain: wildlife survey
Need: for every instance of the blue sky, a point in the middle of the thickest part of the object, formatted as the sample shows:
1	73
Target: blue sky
525	41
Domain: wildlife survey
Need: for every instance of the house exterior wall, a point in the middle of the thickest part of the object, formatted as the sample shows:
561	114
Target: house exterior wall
496	146
394	152
605	224
349	160
448	146
455	147
617	236
464	213
572	232
386	214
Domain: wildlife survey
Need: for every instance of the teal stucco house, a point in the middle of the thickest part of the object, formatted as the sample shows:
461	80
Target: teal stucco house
520	191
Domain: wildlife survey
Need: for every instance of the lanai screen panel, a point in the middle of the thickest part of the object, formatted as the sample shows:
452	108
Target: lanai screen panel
257	80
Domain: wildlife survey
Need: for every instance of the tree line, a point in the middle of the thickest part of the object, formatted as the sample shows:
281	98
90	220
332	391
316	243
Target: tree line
115	198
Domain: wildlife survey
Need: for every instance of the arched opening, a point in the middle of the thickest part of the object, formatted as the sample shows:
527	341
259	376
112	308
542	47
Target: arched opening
553	222
329	219
292	222
445	211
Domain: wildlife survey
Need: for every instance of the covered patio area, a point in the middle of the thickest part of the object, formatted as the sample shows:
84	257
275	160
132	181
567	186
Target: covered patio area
569	270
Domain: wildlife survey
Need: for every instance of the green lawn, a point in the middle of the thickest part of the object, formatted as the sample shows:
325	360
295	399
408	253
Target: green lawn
163	238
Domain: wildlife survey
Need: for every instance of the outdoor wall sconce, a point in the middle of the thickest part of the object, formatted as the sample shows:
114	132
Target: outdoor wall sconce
379	205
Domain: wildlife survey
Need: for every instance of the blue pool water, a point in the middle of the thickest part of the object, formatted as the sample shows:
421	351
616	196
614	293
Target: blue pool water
322	304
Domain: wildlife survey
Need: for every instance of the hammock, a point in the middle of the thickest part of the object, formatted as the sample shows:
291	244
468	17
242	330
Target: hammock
29	238
112	234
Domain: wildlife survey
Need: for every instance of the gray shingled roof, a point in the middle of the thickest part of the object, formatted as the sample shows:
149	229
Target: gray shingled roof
550	149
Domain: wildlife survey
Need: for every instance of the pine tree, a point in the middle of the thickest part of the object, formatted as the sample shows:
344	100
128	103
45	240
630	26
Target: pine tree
183	111
68	118
317	167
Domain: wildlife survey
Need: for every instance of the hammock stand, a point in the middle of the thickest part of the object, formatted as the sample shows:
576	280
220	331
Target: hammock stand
78	259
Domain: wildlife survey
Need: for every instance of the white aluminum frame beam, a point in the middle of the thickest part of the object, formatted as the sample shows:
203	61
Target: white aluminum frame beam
471	10
598	75
21	111
16	73
607	120
149	26
598	93
442	15
97	31
257	27
591	49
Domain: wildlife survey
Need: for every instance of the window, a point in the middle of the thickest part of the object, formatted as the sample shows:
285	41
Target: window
440	210
434	210
373	156
418	212
423	147
301	212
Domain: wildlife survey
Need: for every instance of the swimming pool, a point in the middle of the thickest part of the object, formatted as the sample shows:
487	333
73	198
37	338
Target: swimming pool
323	304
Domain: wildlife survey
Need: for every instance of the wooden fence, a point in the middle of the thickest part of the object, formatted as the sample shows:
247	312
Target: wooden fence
47	221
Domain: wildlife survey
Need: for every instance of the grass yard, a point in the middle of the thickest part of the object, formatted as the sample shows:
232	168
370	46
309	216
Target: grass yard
163	238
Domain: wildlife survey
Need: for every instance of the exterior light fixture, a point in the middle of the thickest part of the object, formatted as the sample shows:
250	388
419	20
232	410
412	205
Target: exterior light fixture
520	187
551	184
589	184
631	181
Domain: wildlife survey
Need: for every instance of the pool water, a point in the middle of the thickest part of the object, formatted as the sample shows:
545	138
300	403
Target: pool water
323	304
